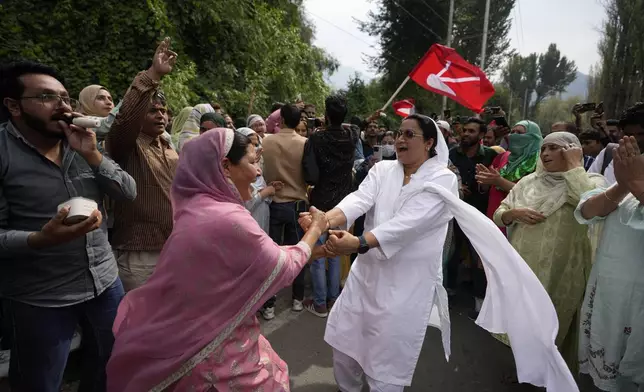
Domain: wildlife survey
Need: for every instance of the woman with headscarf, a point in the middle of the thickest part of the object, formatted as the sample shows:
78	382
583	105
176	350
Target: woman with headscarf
512	165
191	128
192	326
178	123
210	121
259	205
539	215
96	101
612	343
378	323
257	124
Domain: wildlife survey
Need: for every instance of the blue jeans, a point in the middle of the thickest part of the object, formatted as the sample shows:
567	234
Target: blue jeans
41	339
321	291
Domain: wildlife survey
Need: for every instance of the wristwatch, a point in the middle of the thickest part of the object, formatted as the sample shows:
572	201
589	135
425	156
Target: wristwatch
364	246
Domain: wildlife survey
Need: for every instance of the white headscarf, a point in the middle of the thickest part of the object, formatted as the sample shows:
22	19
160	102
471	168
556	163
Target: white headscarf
542	190
516	303
252	119
246	131
444	125
442	151
190	128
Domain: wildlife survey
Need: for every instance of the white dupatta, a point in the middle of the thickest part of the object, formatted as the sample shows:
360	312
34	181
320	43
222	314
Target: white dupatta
516	303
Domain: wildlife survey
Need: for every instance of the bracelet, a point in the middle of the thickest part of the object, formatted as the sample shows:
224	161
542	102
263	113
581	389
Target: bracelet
609	199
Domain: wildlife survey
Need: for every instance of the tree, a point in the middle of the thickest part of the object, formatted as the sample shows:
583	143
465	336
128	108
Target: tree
554	75
619	76
520	77
230	51
468	31
356	94
407	28
553	110
538	76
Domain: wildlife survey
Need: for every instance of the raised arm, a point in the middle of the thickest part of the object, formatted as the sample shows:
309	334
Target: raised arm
579	182
121	139
599	203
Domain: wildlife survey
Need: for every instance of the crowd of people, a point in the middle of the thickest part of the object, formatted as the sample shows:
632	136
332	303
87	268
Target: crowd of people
199	223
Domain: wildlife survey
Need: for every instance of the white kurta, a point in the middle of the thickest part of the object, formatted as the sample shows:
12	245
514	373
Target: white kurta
596	168
381	316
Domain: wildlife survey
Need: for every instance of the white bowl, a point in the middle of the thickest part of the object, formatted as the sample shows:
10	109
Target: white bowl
80	209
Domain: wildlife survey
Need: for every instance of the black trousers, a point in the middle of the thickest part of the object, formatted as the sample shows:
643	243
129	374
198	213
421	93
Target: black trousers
479	281
285	230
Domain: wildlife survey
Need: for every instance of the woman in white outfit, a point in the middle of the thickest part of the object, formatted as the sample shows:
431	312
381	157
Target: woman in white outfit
377	326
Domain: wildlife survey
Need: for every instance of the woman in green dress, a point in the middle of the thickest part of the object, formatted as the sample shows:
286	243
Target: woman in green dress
539	215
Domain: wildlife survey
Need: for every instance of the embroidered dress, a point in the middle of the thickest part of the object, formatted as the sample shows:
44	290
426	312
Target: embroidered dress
192	326
611	347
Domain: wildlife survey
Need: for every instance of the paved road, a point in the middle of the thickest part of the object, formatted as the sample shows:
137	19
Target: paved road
478	362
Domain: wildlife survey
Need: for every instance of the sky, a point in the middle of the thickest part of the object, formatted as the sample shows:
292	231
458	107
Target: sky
572	24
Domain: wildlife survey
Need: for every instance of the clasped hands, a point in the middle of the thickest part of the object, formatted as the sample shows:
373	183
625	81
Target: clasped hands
338	242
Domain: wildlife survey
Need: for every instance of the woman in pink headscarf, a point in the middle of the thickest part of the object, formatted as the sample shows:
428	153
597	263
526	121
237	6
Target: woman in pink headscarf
192	326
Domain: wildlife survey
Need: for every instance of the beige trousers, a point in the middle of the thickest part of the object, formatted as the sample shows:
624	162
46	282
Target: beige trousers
135	268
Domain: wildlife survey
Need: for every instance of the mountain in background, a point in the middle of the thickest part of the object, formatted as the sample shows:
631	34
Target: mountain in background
579	87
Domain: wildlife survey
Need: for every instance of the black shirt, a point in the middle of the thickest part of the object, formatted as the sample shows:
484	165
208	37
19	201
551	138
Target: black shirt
334	150
467	168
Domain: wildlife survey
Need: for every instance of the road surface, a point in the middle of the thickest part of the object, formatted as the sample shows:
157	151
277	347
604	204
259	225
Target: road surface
479	363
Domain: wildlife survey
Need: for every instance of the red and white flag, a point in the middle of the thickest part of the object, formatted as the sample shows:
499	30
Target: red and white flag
404	108
445	72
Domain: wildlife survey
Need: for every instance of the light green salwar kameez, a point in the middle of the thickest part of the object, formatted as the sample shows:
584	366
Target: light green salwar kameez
558	250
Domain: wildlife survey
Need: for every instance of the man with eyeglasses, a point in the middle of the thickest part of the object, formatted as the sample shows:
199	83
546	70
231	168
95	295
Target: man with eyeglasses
135	141
54	274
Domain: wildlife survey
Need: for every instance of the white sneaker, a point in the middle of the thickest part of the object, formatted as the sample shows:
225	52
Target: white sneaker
268	313
297	305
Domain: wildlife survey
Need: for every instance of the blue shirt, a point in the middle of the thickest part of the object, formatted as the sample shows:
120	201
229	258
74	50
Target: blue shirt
31	188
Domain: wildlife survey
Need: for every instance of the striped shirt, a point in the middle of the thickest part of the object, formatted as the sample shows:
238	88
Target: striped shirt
145	223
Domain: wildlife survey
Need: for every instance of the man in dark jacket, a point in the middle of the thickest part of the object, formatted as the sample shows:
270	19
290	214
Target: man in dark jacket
328	164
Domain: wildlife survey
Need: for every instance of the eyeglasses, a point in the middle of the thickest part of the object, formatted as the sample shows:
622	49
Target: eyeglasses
53	99
408	134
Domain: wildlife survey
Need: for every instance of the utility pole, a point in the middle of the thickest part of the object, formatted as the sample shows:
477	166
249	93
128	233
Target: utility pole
450	24
486	22
525	104
509	114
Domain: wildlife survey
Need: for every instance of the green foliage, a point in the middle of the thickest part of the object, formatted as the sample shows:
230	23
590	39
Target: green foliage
553	110
363	99
545	75
244	54
556	72
618	79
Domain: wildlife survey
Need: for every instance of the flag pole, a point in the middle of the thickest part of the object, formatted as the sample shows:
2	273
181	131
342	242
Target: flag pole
396	93
450	25
486	22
